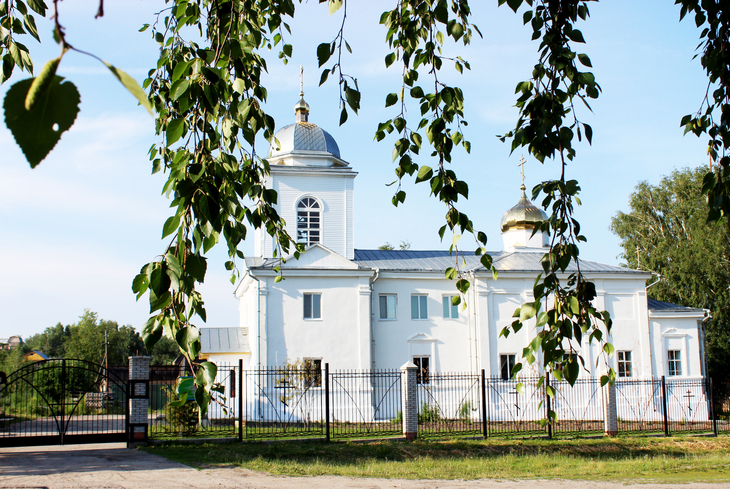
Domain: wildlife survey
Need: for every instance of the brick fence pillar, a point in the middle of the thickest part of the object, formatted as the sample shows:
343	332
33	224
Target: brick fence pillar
410	400
139	399
610	416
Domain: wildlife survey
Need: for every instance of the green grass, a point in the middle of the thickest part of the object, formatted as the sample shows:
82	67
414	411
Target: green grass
678	459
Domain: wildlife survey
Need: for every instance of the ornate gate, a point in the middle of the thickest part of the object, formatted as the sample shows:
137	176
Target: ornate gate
62	402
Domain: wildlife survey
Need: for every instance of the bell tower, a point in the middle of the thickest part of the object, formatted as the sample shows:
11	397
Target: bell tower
315	187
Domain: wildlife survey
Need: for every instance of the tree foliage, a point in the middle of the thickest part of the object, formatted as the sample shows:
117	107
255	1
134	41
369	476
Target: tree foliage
206	93
713	116
666	232
84	340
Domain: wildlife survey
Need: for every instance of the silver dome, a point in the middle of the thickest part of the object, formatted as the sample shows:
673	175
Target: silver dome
301	137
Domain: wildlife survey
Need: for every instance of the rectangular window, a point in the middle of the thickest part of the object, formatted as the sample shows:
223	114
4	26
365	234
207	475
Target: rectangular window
312	306
451	311
422	374
674	362
419	306
387	306
624	364
507	363
313	372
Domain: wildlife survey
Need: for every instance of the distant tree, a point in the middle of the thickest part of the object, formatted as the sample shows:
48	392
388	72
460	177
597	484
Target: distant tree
404	245
51	341
12	360
164	352
667	233
86	340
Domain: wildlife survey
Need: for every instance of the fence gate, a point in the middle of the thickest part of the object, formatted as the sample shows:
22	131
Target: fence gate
62	402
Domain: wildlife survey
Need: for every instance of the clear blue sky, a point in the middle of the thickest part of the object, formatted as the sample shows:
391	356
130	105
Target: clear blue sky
76	230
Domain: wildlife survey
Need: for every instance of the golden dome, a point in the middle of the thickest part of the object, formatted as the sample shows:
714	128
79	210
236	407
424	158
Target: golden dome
524	215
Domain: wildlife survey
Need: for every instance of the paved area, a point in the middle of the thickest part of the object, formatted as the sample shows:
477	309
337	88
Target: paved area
114	466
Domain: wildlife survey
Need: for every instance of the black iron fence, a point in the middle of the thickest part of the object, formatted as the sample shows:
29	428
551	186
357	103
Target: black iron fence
170	421
61	401
365	403
308	401
449	404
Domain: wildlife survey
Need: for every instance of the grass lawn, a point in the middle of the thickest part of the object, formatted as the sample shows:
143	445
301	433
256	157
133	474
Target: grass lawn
639	459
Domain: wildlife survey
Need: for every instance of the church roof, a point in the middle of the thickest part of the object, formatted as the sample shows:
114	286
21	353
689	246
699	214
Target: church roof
303	137
504	261
655	305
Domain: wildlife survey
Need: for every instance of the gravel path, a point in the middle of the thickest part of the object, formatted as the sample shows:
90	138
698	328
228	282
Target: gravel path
114	466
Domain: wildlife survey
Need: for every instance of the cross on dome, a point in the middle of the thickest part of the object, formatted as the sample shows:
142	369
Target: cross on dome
522	169
301	109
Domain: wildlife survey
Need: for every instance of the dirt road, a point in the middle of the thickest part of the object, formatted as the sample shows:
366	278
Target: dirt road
114	466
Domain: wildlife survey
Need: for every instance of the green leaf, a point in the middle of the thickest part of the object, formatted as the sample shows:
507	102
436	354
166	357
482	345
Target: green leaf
424	173
151	333
575	35
41	83
175	129
179	88
171	225
206	375
29	23
514	4
131	85
391	99
37	131
527	311
323	53
325	75
196	266
38	6
334	6
188	338
389	59
239	85
573	303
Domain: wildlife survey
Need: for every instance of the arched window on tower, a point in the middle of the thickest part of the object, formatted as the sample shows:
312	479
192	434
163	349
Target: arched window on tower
309	218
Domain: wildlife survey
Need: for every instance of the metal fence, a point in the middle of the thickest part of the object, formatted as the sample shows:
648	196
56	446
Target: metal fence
449	404
282	402
166	421
309	401
365	403
61	401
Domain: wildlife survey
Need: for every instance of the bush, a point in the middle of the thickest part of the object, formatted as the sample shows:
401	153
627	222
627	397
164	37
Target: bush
465	412
429	414
184	419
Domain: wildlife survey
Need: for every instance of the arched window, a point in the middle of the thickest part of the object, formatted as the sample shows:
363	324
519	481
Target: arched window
308	221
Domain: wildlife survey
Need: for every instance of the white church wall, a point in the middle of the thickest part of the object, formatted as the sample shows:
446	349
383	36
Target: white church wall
340	336
444	340
334	193
504	301
678	333
515	239
252	306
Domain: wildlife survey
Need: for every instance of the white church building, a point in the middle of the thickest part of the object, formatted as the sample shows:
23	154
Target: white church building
378	309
